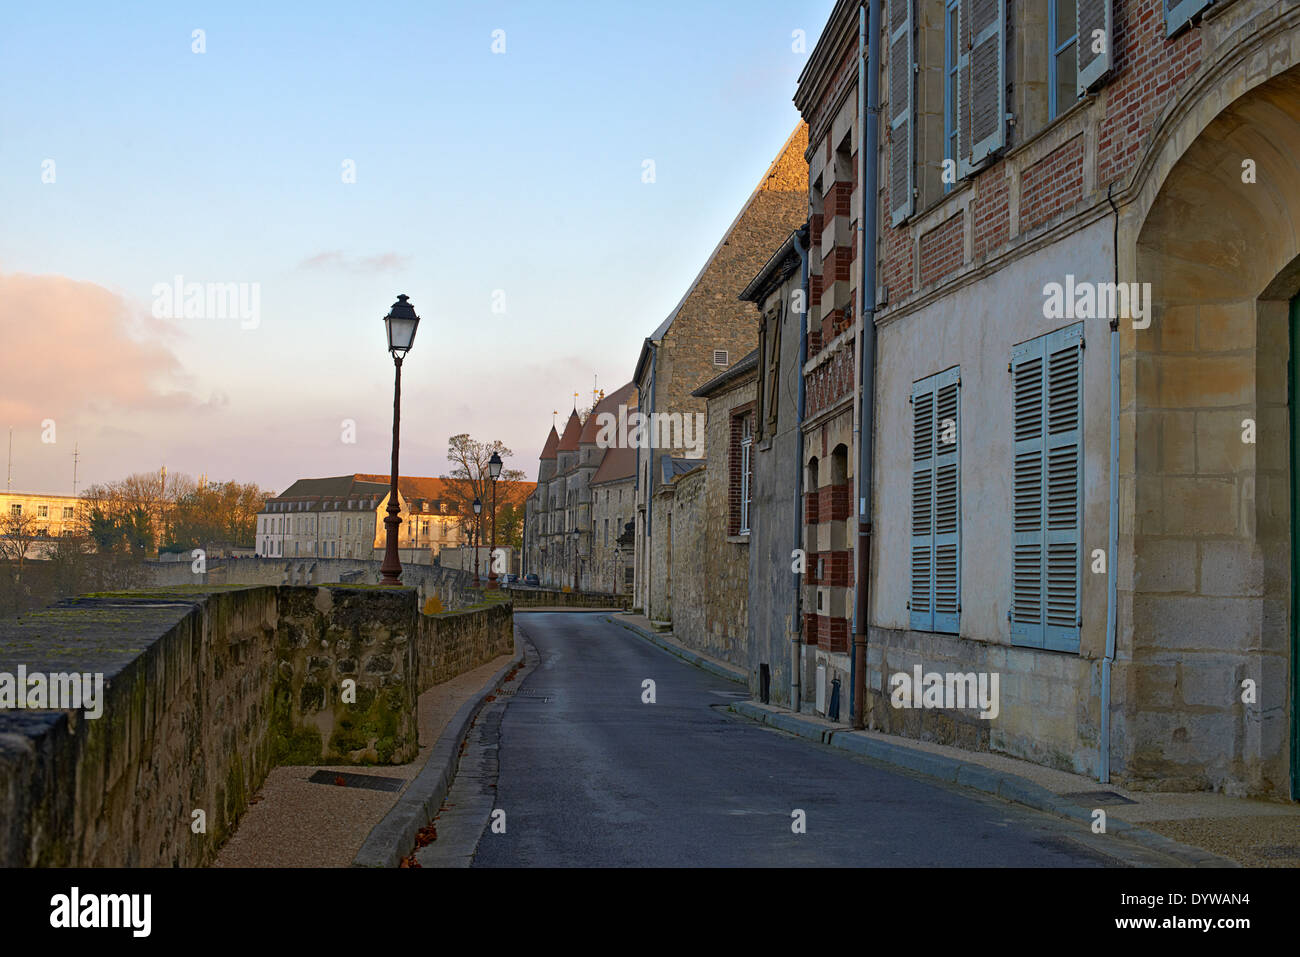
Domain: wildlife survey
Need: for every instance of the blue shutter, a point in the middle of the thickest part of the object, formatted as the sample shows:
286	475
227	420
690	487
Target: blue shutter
923	438
1064	487
981	81
1027	391
947	502
1090	66
936	503
1047	477
1179	13
902	59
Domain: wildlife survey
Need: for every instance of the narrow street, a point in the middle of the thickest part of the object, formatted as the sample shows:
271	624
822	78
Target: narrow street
588	775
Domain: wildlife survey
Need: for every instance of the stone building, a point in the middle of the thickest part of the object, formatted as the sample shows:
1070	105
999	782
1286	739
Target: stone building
703	513
708	330
1082	486
564	517
343	517
776	601
48	517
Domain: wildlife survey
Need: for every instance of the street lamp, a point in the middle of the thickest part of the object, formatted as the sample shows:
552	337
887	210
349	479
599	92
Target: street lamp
494	470
618	567
401	323
575	559
478	510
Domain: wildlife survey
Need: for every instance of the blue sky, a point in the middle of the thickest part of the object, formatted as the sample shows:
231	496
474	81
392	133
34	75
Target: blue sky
475	172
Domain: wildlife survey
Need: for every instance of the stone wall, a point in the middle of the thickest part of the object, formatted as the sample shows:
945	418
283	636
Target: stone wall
546	598
205	691
452	586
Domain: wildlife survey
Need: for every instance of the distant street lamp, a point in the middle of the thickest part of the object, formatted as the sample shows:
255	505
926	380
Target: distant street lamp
478	510
618	567
575	559
401	322
494	470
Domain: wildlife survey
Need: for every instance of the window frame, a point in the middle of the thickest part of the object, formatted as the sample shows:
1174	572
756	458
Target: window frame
1054	109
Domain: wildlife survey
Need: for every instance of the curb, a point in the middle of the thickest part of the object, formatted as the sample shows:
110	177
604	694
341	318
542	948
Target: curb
1002	784
394	836
690	657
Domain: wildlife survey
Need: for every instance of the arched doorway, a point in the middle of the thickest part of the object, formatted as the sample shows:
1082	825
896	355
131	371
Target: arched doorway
1208	479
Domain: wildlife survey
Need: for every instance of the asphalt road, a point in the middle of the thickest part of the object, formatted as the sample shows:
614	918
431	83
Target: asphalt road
589	775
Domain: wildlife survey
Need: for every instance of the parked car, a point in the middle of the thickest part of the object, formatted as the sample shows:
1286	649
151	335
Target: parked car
532	581
510	578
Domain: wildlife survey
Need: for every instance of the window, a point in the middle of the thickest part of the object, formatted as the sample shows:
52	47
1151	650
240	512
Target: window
42	511
67	511
935	604
15	509
1062	56
746	471
1047	473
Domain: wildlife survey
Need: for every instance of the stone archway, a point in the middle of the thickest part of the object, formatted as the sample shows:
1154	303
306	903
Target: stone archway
1205	603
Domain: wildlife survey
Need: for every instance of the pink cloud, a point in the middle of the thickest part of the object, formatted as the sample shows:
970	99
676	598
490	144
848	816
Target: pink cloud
334	259
69	346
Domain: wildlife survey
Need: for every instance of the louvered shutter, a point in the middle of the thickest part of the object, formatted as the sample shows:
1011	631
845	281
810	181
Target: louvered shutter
1064	359
1178	13
1047	383
936	504
1092	16
947	503
1027	493
981	83
923	461
902	58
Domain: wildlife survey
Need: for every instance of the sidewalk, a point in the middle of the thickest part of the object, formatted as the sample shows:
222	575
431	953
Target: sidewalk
295	822
1200	828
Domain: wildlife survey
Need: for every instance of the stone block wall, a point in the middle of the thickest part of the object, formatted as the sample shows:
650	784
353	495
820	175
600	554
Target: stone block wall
205	691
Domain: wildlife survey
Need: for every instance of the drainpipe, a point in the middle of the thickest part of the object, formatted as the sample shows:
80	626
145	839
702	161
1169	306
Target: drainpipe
650	483
869	135
1112	538
796	620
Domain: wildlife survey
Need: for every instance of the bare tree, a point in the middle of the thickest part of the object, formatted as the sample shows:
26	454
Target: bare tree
17	533
470	479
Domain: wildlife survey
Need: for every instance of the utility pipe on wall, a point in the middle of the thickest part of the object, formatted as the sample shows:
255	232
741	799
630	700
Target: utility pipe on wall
1112	537
796	620
869	138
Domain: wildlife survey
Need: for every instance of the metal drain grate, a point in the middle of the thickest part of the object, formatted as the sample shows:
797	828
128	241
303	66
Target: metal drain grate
1098	797
347	779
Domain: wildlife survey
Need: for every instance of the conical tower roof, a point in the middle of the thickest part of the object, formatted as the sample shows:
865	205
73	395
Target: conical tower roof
552	442
569	440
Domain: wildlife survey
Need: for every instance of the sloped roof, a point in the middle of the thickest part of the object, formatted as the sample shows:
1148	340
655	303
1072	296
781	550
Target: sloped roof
624	395
552	443
569	440
618	463
780	198
337	486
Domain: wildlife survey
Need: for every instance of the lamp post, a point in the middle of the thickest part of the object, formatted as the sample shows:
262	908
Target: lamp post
575	559
401	323
494	470
478	510
618	567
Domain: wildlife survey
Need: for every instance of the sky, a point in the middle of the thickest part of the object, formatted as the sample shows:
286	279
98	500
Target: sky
325	158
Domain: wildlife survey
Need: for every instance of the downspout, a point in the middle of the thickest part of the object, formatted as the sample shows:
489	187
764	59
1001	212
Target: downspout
869	136
796	620
650	485
1112	538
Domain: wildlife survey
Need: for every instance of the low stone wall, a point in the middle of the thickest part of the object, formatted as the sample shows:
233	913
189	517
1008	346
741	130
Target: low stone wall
453	587
544	598
205	691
